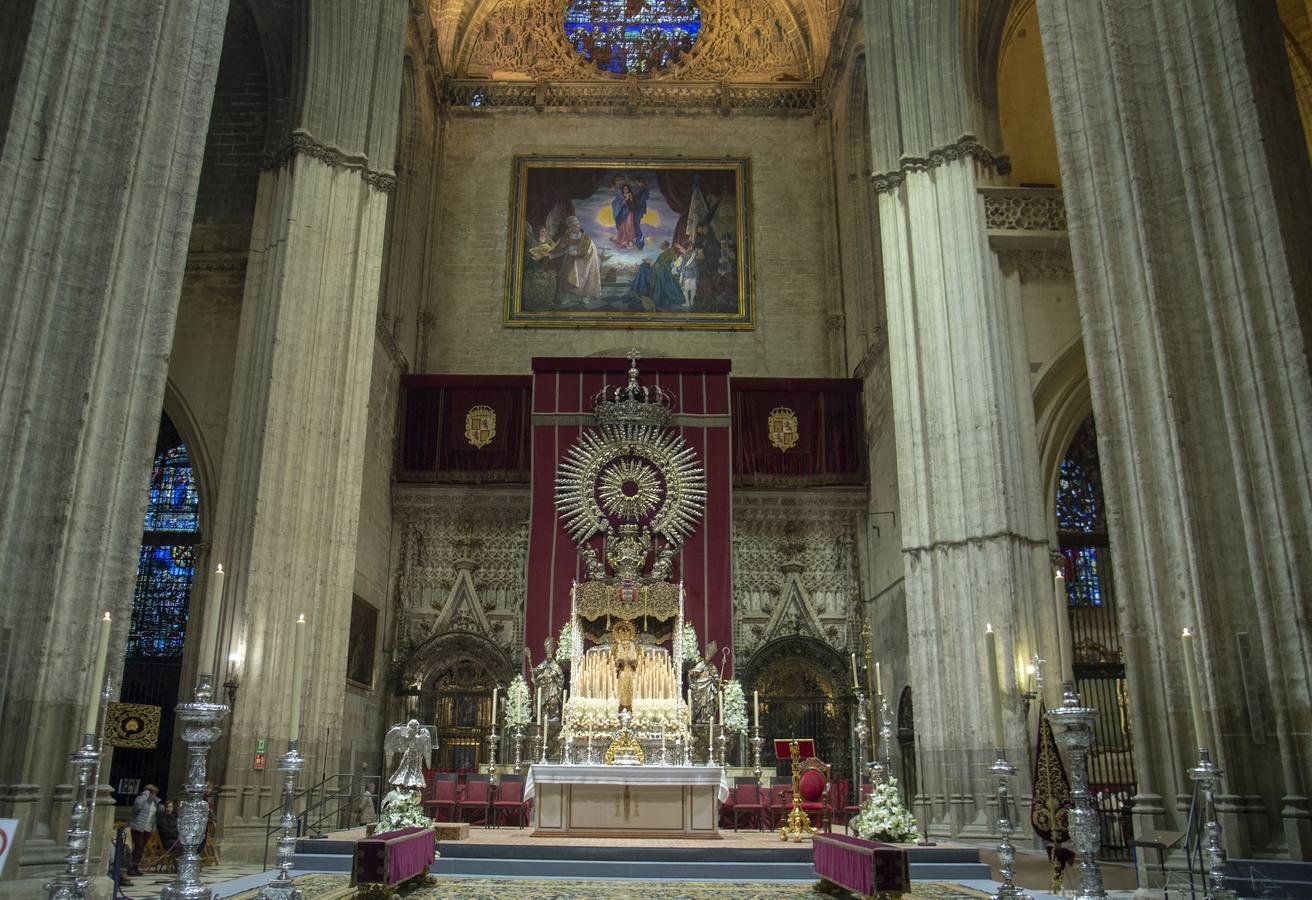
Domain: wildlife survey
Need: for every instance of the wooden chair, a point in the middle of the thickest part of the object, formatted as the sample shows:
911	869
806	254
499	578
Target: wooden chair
510	799
748	799
439	796
814	784
477	797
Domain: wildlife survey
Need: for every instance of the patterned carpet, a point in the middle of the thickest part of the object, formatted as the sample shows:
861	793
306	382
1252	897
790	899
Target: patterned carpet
334	887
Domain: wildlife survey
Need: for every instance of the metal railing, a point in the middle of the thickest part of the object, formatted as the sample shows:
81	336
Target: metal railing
329	802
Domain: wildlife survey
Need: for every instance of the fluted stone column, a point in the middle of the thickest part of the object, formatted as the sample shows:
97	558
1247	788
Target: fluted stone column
1187	197
293	460
106	119
973	538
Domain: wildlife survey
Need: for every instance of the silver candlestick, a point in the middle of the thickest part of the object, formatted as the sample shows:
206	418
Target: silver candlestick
862	727
723	741
519	745
200	729
567	752
1003	771
542	741
885	735
757	741
492	739
1074	724
72	882
1207	775
282	886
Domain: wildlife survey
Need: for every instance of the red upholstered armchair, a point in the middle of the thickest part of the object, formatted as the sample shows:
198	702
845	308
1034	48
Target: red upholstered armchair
813	785
510	801
440	795
477	799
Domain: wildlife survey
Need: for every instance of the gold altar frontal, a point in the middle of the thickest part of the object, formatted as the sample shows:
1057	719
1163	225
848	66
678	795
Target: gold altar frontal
626	801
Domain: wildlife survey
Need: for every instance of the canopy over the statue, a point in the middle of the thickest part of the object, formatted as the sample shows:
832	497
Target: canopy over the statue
597	599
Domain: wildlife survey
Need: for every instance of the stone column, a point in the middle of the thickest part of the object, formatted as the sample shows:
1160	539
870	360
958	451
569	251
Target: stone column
1187	196
973	537
293	460
105	109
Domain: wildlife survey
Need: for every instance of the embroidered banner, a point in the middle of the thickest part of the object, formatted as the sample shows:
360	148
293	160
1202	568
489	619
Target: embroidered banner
798	431
465	428
132	725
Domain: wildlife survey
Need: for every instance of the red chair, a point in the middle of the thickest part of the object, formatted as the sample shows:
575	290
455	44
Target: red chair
852	809
813	785
510	799
780	802
747	798
439	796
477	798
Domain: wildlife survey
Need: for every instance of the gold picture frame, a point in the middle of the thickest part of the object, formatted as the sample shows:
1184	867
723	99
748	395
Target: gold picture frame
652	242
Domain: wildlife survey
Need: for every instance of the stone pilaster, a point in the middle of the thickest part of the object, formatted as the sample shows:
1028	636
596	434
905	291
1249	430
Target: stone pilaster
1187	197
288	516
972	530
102	150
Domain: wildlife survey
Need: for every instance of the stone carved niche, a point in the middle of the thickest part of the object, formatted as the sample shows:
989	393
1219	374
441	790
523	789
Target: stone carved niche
461	559
741	40
797	569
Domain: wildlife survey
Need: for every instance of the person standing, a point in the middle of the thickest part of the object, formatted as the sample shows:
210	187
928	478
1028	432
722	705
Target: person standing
145	808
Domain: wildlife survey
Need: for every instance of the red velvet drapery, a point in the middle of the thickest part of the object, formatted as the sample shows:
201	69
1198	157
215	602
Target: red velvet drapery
434	446
830	446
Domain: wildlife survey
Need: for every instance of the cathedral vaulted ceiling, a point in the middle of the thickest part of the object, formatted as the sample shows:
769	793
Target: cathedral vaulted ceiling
740	41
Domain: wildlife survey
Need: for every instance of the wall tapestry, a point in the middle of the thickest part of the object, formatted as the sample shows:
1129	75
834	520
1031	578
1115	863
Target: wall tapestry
658	243
362	645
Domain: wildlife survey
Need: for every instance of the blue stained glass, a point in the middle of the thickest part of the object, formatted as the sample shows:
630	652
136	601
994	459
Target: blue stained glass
160	601
1083	575
174	504
1078	508
632	36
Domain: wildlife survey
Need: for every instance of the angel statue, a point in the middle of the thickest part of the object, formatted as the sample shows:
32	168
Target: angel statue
415	744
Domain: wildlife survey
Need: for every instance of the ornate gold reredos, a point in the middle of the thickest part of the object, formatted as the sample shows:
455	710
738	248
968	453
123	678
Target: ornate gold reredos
632	479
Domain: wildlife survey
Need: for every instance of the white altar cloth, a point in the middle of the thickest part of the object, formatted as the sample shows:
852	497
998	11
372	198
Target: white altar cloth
627	801
630	775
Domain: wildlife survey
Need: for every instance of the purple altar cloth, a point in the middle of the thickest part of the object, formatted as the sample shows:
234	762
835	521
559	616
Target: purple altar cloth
864	867
392	857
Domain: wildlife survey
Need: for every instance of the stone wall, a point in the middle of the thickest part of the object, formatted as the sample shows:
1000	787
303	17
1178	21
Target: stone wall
791	230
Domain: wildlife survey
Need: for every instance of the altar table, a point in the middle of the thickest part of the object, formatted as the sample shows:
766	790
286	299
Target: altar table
626	801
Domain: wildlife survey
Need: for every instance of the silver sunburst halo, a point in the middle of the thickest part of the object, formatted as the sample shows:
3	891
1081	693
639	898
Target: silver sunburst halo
630	489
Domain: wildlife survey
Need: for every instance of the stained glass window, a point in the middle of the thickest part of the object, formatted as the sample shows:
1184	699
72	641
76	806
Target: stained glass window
166	566
632	36
1081	526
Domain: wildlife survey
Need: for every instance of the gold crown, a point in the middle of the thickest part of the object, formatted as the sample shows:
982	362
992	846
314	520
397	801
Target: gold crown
633	404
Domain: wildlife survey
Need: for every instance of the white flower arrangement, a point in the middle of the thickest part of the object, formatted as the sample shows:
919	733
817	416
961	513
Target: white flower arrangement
518	710
564	644
883	816
735	707
401	809
691	649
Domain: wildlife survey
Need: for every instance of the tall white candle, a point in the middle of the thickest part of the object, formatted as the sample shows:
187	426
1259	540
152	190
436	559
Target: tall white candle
1065	646
494	707
298	672
995	692
879	682
1195	695
98	676
855	685
721	707
209	635
756	710
537	705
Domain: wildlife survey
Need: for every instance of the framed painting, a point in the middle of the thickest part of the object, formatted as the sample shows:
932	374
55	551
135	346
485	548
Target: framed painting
629	243
362	645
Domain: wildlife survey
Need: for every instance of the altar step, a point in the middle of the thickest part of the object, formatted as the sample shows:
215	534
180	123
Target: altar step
790	862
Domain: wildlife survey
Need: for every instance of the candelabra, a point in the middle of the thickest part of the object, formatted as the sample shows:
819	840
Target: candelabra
519	741
687	750
1207	776
862	726
1075	724
282	887
723	740
200	729
543	727
1003	771
492	739
589	759
885	735
567	753
757	741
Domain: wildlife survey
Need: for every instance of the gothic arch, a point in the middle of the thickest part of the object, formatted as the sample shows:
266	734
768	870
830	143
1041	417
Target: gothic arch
825	658
203	467
442	651
1062	402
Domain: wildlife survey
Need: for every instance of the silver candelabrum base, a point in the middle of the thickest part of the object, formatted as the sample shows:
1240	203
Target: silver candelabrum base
1003	771
1208	776
492	739
723	741
1073	723
282	887
71	884
200	729
757	741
